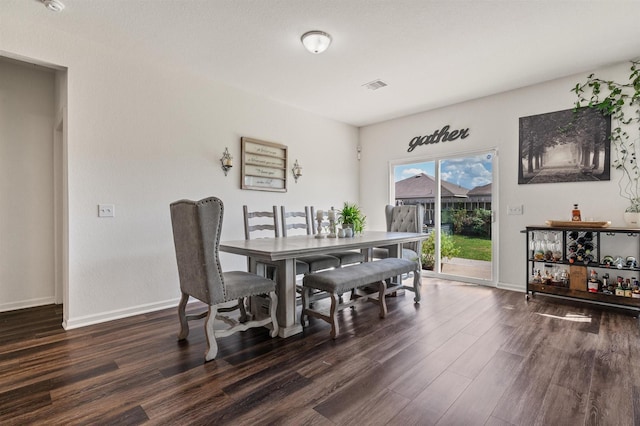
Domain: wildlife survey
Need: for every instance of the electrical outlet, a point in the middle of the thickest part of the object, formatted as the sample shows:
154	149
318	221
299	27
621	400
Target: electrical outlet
106	210
515	210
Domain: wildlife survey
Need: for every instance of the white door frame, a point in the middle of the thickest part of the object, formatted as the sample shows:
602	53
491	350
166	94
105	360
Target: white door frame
493	282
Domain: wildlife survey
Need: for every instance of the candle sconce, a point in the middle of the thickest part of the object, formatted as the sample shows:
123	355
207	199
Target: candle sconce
226	161
297	171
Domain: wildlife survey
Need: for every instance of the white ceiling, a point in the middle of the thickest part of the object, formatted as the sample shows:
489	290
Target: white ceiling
430	53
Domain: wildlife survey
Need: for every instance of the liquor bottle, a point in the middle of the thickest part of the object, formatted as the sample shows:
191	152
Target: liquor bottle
575	214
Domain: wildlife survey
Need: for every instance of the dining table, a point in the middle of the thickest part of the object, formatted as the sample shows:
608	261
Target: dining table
282	253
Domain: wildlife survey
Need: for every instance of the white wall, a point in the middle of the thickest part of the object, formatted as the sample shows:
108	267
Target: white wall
26	190
493	123
141	134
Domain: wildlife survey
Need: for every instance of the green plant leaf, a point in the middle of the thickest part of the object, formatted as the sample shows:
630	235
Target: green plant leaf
616	99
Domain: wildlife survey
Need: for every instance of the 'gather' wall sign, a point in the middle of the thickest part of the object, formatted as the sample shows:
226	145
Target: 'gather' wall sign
442	135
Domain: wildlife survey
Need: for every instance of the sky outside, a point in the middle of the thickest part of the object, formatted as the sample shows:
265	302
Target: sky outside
467	172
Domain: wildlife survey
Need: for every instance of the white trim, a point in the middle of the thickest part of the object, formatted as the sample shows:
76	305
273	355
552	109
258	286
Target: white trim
513	287
58	187
118	314
30	303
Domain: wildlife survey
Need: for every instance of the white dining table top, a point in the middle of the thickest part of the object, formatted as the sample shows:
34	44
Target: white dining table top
303	245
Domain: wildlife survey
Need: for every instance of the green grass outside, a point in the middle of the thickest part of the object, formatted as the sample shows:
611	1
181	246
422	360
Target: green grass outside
473	247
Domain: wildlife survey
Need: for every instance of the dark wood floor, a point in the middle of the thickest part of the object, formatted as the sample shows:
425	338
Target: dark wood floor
466	355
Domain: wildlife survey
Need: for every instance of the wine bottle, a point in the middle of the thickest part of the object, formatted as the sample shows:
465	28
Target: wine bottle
575	214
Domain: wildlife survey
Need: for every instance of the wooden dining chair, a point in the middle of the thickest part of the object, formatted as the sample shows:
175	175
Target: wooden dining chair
265	224
346	257
299	220
196	234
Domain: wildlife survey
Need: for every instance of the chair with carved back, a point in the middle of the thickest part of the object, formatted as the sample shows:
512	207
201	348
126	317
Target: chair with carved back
196	233
406	218
347	257
265	224
299	220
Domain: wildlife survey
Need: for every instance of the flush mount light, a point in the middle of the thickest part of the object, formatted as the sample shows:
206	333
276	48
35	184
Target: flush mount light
316	41
53	5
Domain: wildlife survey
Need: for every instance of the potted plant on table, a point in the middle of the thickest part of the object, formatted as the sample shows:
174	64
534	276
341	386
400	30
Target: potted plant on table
350	216
621	101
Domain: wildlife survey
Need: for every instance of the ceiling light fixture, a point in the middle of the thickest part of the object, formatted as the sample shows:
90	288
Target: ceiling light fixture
53	5
316	41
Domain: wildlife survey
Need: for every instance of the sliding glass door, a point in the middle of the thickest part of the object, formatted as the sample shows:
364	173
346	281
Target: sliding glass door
457	194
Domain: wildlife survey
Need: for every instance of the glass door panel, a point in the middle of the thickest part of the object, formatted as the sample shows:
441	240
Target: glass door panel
457	195
466	216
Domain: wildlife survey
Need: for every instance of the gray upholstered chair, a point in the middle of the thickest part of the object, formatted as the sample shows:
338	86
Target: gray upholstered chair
403	219
408	218
196	235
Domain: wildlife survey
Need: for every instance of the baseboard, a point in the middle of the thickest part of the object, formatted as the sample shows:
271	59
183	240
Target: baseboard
22	304
86	320
512	287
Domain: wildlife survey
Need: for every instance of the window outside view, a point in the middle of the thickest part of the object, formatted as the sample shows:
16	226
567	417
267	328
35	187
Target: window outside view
466	220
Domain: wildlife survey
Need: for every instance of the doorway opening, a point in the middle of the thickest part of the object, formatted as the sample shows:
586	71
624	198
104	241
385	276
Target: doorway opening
459	197
35	233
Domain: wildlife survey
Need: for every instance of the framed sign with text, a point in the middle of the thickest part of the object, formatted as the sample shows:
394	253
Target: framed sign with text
264	165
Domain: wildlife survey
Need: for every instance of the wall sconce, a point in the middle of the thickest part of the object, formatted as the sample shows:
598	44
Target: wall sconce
226	161
297	171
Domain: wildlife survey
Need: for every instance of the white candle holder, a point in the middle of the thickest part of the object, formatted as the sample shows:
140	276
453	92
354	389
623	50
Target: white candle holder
332	229
319	234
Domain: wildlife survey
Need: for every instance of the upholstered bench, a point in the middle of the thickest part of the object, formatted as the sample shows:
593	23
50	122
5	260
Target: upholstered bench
349	278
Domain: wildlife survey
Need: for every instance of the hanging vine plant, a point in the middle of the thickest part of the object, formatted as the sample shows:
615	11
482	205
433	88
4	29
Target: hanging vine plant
621	101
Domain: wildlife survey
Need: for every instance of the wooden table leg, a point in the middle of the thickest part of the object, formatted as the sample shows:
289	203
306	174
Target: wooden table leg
286	285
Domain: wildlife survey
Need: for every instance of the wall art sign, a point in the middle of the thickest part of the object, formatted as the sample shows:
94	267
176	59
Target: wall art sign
442	135
565	146
264	165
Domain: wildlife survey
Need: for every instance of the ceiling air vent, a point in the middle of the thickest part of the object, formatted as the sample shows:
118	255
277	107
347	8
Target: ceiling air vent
375	84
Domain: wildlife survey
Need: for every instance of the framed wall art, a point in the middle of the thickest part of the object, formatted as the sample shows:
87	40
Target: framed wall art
565	146
264	165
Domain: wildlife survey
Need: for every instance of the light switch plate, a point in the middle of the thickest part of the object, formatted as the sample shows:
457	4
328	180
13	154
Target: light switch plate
515	210
106	210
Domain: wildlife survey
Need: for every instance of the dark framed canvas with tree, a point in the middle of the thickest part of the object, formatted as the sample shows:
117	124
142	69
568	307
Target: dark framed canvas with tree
565	146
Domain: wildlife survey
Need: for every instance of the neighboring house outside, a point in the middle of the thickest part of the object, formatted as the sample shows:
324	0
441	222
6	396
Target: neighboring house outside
421	189
480	197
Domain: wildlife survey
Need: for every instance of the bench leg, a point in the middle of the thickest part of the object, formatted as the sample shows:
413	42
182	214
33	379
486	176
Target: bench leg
333	315
417	285
382	287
